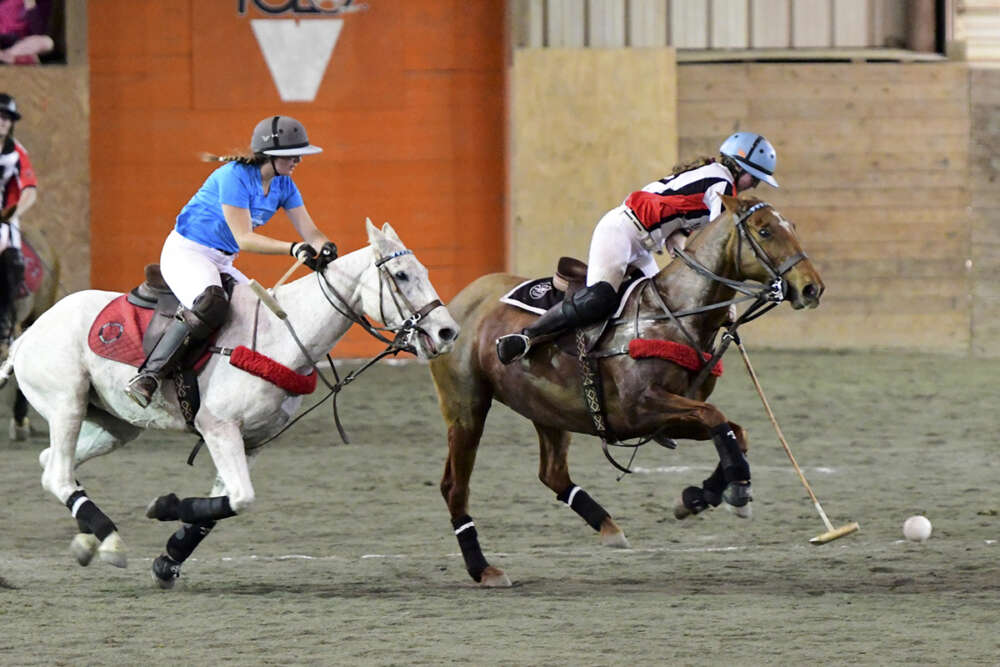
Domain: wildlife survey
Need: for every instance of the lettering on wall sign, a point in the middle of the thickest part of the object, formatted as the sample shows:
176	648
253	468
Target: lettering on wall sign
327	7
297	52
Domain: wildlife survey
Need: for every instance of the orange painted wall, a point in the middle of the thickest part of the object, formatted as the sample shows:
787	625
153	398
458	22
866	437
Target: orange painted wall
410	113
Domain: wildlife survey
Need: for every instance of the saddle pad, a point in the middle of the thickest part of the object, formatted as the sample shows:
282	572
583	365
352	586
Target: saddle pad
34	271
679	353
537	296
117	332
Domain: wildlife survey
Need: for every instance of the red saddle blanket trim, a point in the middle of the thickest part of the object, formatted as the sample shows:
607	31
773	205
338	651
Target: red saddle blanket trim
679	353
34	270
255	363
117	332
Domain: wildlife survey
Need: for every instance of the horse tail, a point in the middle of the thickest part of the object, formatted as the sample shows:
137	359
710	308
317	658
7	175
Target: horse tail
7	368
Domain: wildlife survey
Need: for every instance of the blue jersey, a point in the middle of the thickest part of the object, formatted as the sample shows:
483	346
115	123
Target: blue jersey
238	185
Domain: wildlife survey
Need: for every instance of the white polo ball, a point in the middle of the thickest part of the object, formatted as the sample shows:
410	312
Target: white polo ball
917	528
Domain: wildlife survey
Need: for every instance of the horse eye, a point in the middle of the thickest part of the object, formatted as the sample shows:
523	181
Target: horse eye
401	276
764	232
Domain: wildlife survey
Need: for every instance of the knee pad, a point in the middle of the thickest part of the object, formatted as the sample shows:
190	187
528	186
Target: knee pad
592	303
208	312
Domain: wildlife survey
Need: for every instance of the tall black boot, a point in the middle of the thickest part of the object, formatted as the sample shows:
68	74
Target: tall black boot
586	306
162	360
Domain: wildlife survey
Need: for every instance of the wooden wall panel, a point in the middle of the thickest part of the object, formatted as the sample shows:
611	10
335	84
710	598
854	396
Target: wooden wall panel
410	112
52	101
590	126
873	165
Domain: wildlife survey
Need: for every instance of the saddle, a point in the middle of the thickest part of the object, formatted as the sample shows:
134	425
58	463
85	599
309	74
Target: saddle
128	327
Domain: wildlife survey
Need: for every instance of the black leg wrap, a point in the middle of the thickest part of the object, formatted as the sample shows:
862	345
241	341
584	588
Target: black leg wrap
202	510
87	513
468	541
187	538
581	503
734	464
20	407
713	487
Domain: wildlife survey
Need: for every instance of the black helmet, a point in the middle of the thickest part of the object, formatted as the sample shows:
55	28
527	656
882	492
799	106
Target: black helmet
281	136
9	106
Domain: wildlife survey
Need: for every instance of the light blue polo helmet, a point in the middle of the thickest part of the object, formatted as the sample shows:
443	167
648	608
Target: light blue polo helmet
754	153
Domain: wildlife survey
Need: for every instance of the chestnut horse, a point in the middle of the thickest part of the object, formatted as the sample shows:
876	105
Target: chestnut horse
688	301
41	279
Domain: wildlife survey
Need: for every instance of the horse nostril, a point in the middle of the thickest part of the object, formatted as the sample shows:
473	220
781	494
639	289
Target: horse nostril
446	334
810	292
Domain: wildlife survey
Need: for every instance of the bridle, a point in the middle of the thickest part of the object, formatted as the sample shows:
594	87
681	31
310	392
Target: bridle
402	340
403	334
770	295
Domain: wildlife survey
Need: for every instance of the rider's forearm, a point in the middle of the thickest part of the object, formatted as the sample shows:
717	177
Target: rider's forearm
28	198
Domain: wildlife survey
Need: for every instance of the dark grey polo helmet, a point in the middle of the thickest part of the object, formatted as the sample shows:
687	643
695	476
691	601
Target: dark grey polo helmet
282	136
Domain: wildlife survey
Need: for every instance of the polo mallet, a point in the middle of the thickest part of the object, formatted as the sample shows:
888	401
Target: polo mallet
267	297
831	532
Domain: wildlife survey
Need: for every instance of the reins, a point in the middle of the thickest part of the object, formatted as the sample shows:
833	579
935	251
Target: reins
765	297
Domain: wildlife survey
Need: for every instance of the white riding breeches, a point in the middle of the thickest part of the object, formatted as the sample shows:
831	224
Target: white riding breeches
617	243
189	267
10	235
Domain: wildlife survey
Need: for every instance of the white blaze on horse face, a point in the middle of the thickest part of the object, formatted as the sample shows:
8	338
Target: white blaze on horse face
784	223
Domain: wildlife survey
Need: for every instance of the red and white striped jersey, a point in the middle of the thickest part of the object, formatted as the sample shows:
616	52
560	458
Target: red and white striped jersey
690	198
16	172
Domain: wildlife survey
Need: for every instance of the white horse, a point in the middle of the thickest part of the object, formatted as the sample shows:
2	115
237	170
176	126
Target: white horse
81	394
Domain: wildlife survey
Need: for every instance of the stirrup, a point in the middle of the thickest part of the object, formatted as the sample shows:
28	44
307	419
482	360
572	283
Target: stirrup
512	347
142	387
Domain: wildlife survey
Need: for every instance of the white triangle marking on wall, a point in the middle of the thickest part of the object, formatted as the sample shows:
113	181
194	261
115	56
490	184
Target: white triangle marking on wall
297	53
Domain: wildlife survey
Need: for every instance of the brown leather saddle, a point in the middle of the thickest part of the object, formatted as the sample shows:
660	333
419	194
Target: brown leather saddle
155	294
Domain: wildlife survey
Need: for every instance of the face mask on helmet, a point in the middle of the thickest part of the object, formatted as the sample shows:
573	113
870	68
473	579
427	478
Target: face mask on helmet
754	153
281	136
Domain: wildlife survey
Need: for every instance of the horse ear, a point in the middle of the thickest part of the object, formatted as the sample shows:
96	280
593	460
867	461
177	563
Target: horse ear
732	204
373	232
390	232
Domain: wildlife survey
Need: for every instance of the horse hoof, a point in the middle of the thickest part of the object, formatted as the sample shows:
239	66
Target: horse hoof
615	540
112	551
737	494
164	508
691	502
83	547
494	578
19	432
744	512
166	571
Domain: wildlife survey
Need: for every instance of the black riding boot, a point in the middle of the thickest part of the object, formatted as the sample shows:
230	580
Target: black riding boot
162	360
586	306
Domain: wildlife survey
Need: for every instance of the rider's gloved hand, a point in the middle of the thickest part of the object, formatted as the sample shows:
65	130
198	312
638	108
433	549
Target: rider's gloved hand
327	254
305	252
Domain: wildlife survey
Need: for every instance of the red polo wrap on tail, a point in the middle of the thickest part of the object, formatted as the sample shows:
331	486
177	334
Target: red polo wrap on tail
679	353
255	363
